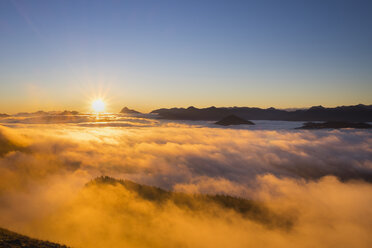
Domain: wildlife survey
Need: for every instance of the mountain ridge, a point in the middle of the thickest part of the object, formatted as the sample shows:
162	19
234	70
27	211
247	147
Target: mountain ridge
198	202
353	113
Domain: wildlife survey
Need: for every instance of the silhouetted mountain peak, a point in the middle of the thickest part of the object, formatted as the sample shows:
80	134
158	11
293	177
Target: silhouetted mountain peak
320	107
126	110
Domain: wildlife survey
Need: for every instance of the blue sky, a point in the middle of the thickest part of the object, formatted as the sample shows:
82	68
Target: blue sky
150	54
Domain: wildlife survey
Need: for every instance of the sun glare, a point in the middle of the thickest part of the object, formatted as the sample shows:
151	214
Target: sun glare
98	106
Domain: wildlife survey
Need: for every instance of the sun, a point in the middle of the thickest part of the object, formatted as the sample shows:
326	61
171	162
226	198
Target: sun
98	106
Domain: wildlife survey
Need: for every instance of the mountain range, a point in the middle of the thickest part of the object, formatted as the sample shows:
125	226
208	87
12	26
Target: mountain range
355	113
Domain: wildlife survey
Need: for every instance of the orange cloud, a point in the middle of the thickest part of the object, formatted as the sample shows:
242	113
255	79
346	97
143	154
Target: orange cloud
320	179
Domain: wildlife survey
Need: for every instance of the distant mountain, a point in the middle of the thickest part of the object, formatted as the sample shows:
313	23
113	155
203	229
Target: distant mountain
44	113
38	113
233	120
4	115
67	112
357	113
335	125
10	239
126	110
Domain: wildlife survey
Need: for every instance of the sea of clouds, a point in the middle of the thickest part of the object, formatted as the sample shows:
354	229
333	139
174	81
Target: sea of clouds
319	179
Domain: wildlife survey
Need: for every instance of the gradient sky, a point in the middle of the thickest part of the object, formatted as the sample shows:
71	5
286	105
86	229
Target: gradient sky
57	55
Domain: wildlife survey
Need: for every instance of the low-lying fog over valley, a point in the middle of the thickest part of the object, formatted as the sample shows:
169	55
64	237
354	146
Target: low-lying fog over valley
311	188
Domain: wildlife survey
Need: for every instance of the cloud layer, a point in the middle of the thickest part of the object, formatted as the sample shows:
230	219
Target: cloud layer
320	179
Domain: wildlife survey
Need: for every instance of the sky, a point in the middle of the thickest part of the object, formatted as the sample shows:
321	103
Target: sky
57	55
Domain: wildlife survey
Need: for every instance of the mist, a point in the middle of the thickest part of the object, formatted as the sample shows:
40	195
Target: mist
318	180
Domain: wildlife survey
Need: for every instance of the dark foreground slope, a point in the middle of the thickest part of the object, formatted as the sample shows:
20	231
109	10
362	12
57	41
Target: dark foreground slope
203	203
10	239
357	113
